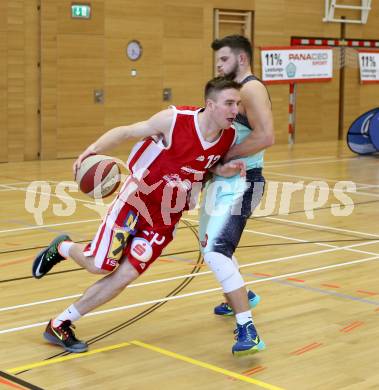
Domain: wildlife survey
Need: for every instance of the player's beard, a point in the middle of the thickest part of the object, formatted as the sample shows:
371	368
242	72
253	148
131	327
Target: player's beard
232	75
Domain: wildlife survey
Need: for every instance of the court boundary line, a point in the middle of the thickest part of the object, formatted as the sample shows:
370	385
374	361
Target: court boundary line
356	192
140	344
12	379
201	292
301	163
156	281
208	366
43	363
324	227
302	159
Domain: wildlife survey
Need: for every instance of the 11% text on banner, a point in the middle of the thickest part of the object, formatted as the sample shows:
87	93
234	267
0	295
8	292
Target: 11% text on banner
295	64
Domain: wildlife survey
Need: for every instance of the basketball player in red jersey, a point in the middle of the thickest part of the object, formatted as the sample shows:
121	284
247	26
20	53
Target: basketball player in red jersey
180	145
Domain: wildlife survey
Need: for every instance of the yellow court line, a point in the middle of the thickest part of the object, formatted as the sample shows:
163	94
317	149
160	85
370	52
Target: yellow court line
65	358
206	365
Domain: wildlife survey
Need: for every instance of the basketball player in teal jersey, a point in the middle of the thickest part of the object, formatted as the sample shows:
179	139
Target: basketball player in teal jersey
228	203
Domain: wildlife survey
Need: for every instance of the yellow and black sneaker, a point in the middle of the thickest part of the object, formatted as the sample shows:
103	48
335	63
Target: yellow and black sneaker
49	257
64	336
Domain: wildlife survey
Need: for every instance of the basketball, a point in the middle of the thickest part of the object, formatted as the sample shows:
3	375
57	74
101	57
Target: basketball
98	176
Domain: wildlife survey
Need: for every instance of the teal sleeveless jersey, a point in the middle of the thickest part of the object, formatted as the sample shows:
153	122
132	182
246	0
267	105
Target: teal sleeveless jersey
243	128
255	160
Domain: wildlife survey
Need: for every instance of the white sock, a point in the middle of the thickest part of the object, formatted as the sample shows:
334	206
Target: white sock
70	313
64	248
244	317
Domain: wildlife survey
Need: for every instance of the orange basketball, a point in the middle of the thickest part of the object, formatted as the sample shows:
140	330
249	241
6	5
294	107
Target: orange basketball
98	176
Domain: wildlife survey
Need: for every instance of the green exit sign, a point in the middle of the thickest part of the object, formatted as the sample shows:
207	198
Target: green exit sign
81	11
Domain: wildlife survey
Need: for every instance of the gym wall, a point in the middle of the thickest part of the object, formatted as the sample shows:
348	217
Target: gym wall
48	111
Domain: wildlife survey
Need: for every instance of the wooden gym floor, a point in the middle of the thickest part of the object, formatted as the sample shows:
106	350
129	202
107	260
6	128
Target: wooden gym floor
316	271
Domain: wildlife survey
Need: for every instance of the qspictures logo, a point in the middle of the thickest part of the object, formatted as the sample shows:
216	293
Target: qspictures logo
60	199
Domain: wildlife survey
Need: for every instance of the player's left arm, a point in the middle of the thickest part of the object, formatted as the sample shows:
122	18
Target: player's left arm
257	105
159	124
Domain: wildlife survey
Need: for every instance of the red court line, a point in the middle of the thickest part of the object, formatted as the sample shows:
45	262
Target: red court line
166	260
307	348
10	384
330	285
367	292
259	274
254	370
296	280
348	326
352	326
198	265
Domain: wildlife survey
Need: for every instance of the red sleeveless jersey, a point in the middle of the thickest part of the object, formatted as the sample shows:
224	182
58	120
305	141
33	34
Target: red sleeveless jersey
182	162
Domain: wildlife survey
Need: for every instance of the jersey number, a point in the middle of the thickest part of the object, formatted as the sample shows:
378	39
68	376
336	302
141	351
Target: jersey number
212	159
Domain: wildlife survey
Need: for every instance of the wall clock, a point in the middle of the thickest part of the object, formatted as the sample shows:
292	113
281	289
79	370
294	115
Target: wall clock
134	50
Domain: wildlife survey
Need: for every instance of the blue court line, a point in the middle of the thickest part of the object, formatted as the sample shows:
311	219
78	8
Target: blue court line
308	288
319	290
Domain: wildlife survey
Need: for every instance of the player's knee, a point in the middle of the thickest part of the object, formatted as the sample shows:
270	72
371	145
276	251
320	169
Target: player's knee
125	274
225	271
90	265
99	271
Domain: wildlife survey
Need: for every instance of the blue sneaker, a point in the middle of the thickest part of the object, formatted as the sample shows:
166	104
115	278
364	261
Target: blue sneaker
248	341
223	309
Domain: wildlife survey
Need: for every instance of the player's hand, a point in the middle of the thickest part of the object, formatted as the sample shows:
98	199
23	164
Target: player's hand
88	152
229	156
231	168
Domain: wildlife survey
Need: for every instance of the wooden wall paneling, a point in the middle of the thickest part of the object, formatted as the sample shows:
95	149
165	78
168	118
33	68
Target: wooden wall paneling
80	70
80	65
3	92
317	107
132	99
68	25
16	80
352	86
349	13
32	80
317	110
275	22
49	15
208	28
279	95
3	15
182	53
176	53
246	5
368	99
268	16
368	30
304	18
207	52
3	81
